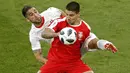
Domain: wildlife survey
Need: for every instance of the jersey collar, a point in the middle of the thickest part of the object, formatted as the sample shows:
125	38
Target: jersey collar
42	23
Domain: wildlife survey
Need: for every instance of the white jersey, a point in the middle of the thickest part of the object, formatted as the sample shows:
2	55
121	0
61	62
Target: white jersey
35	33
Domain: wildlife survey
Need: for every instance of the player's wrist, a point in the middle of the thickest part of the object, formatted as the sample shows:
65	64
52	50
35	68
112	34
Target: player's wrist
102	44
44	60
55	34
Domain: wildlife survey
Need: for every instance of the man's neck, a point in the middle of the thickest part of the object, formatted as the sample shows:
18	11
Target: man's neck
38	23
77	22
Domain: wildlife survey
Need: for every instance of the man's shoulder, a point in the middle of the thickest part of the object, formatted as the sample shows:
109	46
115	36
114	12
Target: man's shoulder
58	21
61	19
83	22
33	30
50	11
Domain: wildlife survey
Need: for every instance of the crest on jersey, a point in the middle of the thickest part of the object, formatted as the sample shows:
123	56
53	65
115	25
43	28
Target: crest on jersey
80	35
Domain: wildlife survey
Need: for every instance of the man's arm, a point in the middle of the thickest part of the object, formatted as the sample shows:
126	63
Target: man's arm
39	57
49	33
94	43
36	48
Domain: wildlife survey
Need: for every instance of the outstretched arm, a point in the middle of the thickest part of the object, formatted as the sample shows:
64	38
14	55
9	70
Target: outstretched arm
49	33
95	43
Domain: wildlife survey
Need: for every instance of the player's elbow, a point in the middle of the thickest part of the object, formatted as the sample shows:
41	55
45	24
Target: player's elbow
93	44
38	57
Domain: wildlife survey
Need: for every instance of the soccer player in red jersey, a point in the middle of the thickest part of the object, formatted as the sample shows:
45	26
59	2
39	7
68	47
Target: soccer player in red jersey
67	58
39	22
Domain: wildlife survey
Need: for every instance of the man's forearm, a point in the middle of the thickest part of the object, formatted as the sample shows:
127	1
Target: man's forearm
42	59
49	35
39	57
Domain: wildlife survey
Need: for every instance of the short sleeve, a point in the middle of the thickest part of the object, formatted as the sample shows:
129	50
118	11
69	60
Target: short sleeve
35	43
54	25
51	13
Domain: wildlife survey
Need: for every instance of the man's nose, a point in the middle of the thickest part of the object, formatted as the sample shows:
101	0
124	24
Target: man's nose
35	14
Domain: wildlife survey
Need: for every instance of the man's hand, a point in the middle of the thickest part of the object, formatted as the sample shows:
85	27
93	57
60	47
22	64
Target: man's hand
44	60
39	57
111	47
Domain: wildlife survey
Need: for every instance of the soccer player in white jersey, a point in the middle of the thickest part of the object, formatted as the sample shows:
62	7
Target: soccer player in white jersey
39	22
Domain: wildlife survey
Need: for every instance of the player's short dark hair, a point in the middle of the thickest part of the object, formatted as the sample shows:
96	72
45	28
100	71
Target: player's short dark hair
73	6
25	9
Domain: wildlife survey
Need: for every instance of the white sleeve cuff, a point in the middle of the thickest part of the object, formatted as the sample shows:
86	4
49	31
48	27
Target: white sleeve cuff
101	44
87	40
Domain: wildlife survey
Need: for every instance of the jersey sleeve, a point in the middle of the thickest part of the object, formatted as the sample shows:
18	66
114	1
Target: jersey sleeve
87	25
35	43
54	25
54	12
90	37
51	13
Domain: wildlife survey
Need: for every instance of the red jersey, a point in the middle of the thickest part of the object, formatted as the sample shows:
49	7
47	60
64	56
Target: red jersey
67	53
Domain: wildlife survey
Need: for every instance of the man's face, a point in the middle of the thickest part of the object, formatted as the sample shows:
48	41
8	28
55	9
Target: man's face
33	15
72	17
